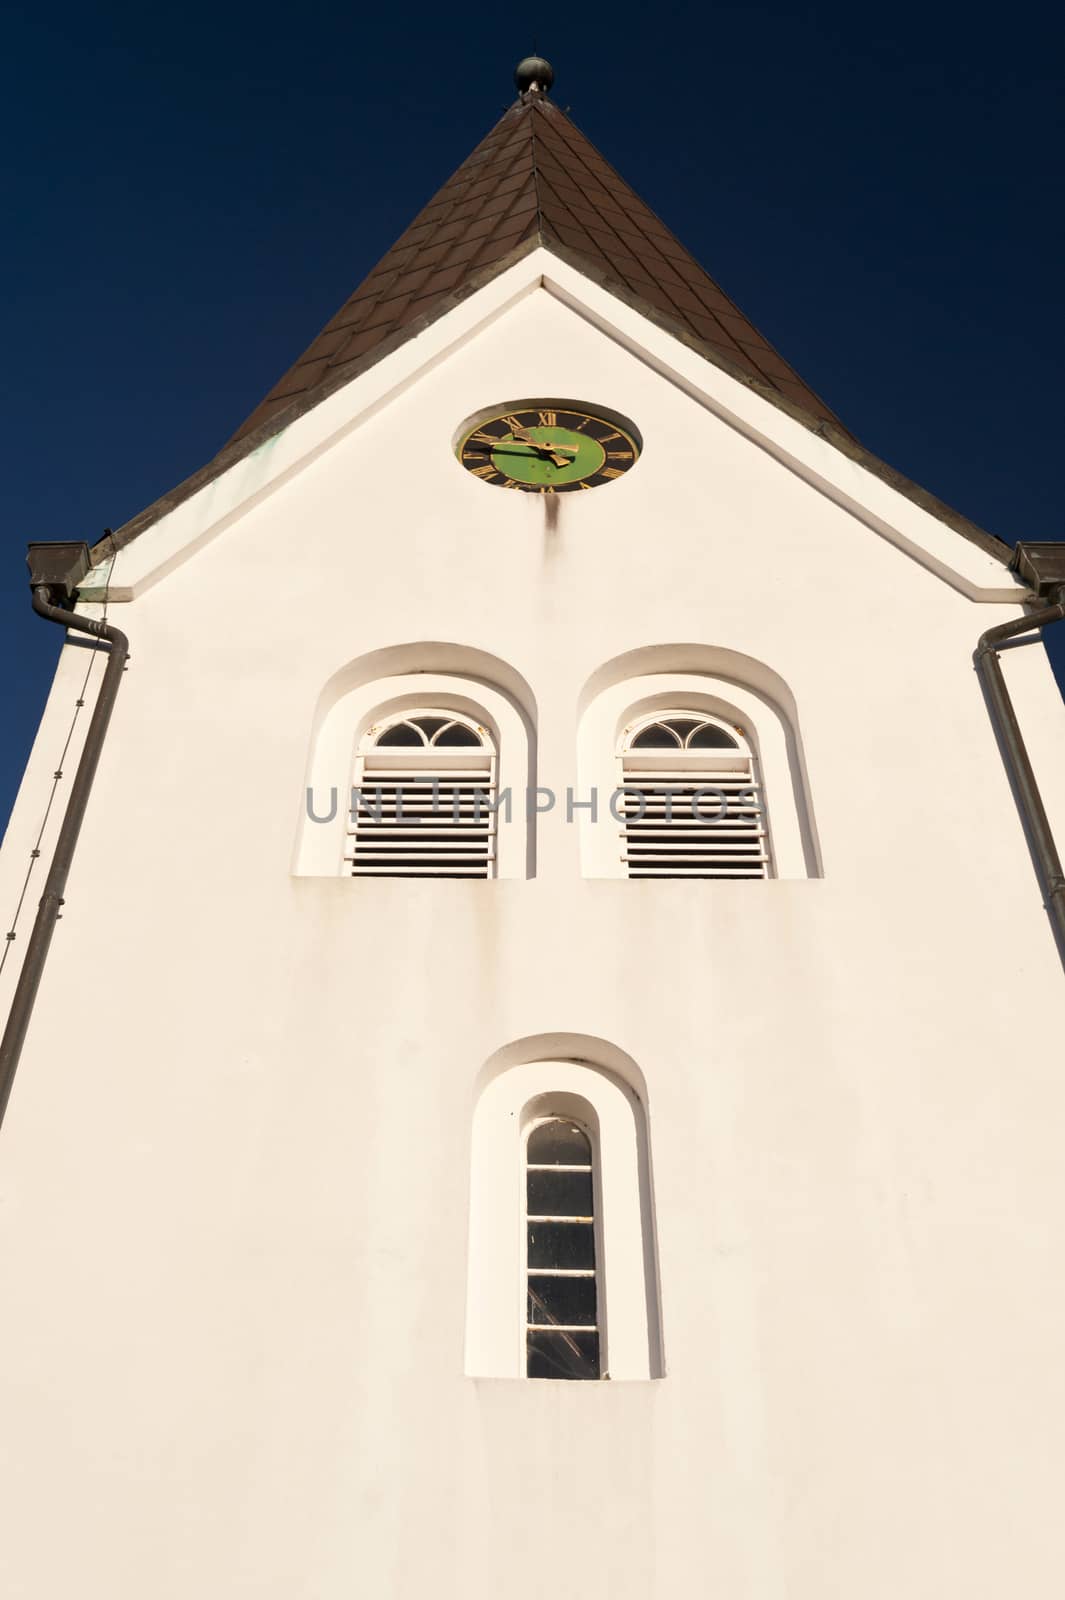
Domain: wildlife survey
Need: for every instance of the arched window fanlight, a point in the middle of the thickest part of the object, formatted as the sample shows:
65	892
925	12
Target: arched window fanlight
423	800
691	800
418	732
561	1318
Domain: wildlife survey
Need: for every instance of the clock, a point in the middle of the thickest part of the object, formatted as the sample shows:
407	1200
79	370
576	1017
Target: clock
547	448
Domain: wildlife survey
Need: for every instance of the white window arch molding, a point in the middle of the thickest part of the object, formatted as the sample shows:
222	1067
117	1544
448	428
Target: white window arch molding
765	733
510	1105
322	832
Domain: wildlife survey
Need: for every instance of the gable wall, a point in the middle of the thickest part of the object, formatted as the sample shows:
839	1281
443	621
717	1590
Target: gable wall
235	1228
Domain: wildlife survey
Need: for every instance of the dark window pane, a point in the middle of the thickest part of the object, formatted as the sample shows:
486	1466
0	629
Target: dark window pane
456	735
402	734
559	1144
711	738
569	1245
562	1355
564	1300
682	726
559	1194
656	737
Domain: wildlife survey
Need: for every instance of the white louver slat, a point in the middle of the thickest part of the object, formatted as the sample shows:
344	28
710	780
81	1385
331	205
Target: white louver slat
423	811
691	812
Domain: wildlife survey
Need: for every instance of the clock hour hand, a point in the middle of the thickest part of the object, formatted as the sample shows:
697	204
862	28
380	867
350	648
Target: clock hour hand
547	448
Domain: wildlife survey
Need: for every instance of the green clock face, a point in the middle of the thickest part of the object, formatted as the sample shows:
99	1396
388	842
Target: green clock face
547	451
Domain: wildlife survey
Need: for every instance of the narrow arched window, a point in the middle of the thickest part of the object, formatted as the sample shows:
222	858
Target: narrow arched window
691	801
561	1319
423	799
562	1272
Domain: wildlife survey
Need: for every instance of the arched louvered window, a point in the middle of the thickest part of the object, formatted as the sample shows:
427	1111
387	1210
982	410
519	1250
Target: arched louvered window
691	800
423	799
561	1319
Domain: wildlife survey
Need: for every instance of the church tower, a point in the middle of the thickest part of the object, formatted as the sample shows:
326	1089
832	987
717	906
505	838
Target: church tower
535	1088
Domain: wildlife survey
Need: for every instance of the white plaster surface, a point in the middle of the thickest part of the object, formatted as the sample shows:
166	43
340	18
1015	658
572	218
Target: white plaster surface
235	1172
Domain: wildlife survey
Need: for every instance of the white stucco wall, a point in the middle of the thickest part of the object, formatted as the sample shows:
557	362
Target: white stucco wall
235	1173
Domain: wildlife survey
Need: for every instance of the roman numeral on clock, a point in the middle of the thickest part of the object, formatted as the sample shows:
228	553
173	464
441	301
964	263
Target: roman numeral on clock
485	472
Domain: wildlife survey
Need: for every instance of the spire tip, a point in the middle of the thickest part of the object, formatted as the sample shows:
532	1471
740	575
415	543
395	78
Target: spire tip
534	74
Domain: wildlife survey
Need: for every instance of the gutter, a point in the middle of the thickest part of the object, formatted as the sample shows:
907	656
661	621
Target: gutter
1043	567
55	571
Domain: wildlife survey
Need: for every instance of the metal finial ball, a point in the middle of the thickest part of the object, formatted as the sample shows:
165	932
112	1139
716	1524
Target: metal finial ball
534	71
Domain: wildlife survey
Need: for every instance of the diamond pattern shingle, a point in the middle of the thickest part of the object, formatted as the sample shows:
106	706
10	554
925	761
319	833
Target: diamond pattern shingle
535	178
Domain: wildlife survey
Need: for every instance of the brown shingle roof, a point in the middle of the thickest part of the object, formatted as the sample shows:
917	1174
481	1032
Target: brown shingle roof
535	179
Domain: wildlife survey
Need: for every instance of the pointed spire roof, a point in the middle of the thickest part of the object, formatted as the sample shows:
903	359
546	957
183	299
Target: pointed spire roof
535	179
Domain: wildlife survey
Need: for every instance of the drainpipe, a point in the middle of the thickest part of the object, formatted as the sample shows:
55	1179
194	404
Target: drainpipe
1043	567
55	572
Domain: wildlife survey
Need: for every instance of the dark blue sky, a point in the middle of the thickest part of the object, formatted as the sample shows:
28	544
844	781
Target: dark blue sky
190	193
